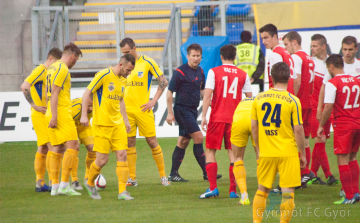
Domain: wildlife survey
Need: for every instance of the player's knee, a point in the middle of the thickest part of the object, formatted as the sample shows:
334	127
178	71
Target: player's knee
101	161
198	138
90	147
121	155
43	149
131	141
152	142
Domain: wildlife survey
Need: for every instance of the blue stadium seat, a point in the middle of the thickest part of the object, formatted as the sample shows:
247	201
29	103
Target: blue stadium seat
254	38
238	10
194	30
233	31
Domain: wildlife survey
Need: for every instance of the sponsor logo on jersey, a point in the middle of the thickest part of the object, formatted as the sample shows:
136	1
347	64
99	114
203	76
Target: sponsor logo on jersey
140	74
114	97
111	86
135	83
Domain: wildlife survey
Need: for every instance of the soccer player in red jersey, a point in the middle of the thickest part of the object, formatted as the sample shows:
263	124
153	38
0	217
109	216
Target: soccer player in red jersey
269	36
303	88
225	84
342	97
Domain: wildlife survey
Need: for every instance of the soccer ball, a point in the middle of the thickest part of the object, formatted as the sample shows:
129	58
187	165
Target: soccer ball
100	182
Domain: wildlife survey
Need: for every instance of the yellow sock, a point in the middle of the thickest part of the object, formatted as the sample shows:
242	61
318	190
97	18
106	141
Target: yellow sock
40	167
74	170
48	165
159	159
55	165
67	164
259	205
93	173
131	158
90	158
287	206
240	175
122	172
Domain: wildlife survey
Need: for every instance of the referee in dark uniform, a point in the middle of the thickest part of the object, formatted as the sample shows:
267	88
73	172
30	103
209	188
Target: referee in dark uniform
188	81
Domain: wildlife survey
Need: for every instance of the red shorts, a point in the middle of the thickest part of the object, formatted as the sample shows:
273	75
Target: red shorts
346	141
315	125
306	117
215	133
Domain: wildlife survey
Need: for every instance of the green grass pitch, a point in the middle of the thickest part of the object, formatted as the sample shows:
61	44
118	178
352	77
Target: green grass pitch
153	203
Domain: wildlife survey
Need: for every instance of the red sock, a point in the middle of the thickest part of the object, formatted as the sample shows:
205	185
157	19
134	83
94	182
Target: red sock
315	165
355	171
308	156
211	170
323	160
232	179
346	181
306	170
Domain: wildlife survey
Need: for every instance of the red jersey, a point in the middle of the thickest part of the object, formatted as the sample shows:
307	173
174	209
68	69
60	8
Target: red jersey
305	66
319	73
343	90
279	54
228	83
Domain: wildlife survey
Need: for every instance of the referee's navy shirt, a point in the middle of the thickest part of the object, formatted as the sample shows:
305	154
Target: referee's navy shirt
187	83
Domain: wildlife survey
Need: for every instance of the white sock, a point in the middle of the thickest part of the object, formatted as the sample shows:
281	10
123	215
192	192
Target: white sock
64	185
55	187
244	196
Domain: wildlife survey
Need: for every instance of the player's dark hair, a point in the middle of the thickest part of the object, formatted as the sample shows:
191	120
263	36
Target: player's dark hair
293	35
336	60
320	38
195	47
269	28
280	73
128	58
71	48
245	36
348	40
228	52
55	53
127	41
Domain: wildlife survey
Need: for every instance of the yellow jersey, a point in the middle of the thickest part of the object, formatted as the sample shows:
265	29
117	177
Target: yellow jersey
58	74
139	83
244	105
107	88
37	81
276	112
76	110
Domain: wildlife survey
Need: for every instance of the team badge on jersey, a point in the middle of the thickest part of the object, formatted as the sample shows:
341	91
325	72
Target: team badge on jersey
111	86
140	74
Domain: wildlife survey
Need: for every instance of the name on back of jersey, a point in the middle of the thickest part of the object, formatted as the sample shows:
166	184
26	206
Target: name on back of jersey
271	132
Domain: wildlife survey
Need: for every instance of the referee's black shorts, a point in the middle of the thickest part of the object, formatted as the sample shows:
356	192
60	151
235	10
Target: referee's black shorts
187	119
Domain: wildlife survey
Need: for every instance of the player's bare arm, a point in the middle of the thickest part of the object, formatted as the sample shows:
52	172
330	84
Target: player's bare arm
299	137
297	83
124	115
202	93
169	101
324	117
162	85
255	135
248	94
25	87
320	103
206	104
84	120
54	104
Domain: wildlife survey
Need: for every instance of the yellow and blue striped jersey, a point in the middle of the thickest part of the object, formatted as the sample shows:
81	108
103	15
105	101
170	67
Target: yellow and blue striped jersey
139	83
58	74
76	110
245	105
37	81
276	112
107	88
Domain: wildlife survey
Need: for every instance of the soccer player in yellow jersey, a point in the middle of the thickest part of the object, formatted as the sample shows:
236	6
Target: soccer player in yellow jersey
110	122
85	137
278	134
34	92
138	107
240	132
62	130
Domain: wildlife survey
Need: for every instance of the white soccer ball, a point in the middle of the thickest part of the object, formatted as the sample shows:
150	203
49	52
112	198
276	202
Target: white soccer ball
100	182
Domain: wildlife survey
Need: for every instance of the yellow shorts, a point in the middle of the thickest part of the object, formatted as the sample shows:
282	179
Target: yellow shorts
145	121
40	127
64	131
85	134
241	130
108	138
288	168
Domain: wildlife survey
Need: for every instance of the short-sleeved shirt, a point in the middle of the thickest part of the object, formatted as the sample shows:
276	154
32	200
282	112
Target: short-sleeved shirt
245	104
76	110
139	83
187	83
108	89
319	73
351	69
58	74
228	83
343	91
276	112
37	81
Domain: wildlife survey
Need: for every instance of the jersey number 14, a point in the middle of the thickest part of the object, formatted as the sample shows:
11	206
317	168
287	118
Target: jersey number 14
233	87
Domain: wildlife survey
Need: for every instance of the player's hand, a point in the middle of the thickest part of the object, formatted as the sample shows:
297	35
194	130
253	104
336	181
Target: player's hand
302	161
41	109
204	124
84	121
251	80
318	115
53	123
148	106
170	119
320	131
128	126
